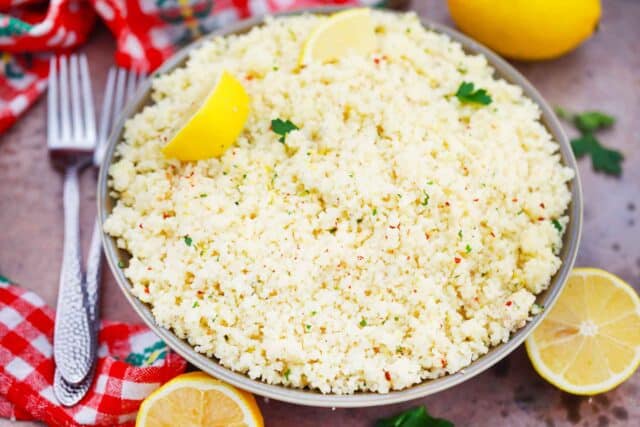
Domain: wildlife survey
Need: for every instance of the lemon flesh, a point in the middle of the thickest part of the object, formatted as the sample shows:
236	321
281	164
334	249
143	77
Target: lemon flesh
196	399
527	29
589	342
350	31
215	126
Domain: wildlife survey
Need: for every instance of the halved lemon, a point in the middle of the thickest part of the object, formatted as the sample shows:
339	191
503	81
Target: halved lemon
196	399
349	31
215	125
589	342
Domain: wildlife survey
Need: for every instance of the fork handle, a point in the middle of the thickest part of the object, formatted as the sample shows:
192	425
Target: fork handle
73	341
94	268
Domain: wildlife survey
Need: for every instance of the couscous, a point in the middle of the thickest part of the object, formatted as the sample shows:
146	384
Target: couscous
393	232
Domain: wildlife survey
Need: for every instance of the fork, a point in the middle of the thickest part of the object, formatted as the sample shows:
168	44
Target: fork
120	86
71	137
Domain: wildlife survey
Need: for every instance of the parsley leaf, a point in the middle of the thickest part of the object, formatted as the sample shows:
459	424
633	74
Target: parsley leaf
466	93
557	225
282	128
286	374
591	121
602	158
188	240
363	322
414	417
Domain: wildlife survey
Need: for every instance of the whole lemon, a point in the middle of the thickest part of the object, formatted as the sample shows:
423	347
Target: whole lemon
527	29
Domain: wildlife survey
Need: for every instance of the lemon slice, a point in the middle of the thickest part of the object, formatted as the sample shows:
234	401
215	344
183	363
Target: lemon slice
196	399
215	125
590	341
344	32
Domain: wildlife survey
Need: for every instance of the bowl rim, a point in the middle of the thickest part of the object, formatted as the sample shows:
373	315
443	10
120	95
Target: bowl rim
571	239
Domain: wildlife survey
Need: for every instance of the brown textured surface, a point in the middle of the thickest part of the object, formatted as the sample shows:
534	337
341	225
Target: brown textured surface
603	74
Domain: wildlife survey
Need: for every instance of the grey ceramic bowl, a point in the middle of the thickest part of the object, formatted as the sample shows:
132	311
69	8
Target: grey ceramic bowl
311	397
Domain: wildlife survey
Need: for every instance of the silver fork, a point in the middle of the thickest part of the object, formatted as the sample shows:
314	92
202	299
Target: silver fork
121	85
71	137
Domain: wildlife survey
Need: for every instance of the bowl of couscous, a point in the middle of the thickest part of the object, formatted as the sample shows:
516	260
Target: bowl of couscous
405	233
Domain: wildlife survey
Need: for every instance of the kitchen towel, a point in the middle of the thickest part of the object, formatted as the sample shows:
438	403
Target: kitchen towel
132	363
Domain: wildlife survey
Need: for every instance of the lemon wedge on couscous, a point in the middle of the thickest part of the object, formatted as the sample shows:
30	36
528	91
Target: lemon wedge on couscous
590	341
344	32
196	399
215	125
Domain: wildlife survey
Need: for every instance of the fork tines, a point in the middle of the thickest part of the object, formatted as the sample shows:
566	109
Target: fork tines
70	117
121	85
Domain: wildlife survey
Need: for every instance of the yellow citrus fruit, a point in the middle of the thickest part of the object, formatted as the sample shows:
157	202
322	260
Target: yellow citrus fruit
349	31
589	342
215	125
527	29
196	399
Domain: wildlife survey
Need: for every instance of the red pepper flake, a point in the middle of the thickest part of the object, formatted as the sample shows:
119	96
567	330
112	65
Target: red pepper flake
165	215
508	303
426	235
542	205
540	218
444	362
476	299
446	203
387	375
492	235
200	294
149	268
140	225
146	289
475	200
249	77
457	260
360	257
376	60
515	199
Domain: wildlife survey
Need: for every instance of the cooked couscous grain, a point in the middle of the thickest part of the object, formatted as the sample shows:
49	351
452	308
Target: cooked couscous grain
392	232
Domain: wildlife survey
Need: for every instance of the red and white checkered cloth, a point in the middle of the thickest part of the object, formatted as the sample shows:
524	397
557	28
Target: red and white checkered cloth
132	362
147	32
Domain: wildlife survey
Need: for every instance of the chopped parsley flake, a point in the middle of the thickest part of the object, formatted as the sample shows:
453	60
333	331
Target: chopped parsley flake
557	225
308	327
460	234
203	195
468	248
195	304
121	264
375	211
425	201
286	374
333	230
313	313
363	323
282	128
188	240
466	93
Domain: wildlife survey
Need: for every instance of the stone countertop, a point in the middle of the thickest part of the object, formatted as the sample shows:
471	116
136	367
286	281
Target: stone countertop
602	74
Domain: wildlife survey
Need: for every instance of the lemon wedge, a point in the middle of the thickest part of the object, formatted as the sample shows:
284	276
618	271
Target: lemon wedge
344	32
589	342
196	399
215	125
